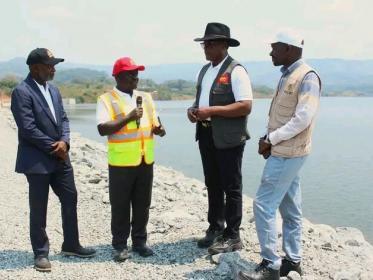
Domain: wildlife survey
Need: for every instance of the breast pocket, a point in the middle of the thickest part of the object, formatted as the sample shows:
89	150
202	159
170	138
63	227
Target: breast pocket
221	89
287	103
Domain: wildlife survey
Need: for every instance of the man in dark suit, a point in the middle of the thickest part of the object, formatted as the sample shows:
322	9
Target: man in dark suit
44	136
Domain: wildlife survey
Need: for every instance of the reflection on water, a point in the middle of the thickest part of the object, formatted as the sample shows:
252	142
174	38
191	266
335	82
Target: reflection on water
337	180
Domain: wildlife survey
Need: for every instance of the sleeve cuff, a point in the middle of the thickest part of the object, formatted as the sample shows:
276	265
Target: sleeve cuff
273	138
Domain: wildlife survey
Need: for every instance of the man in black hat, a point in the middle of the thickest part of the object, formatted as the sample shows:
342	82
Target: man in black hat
223	102
44	136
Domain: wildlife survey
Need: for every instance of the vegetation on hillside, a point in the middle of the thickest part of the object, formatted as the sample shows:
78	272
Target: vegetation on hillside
7	84
85	85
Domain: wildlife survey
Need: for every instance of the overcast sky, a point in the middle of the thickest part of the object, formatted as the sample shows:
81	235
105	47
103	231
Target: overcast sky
162	31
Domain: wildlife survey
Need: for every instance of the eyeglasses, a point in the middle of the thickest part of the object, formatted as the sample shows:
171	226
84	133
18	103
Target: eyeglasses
210	43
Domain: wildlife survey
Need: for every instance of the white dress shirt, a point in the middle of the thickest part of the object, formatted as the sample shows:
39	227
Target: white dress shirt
48	98
241	85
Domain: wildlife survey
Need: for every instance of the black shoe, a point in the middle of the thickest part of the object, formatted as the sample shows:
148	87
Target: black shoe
224	245
287	266
143	250
262	272
42	264
80	252
209	238
121	255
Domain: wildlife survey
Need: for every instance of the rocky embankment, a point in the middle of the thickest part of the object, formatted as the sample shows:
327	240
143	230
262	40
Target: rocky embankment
177	218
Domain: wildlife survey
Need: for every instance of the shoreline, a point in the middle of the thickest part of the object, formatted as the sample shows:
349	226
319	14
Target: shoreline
177	218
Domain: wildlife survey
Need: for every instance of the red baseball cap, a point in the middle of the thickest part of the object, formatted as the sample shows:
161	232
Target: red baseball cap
126	64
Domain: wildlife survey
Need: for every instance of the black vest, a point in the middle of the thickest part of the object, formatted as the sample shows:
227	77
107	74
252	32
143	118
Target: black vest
226	132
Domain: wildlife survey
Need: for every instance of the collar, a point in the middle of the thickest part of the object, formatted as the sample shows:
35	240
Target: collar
41	87
122	93
220	64
292	67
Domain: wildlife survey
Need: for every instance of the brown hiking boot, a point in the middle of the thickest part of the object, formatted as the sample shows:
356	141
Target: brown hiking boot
209	238
121	255
42	264
287	266
262	272
225	245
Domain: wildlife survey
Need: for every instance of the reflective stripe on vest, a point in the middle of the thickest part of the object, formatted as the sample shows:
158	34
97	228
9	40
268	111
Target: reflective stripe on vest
127	146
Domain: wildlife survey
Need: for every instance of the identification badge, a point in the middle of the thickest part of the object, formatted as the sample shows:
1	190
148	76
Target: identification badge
289	89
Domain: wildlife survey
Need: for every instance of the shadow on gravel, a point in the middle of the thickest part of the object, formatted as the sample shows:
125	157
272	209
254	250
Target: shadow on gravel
206	274
228	270
15	259
103	254
180	252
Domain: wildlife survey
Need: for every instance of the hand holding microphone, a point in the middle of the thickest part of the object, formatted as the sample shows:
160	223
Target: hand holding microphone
138	106
136	114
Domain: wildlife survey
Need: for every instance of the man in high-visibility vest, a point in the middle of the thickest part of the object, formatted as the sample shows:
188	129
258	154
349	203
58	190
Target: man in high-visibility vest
128	119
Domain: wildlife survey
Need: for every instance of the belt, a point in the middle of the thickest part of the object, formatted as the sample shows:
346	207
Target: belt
206	123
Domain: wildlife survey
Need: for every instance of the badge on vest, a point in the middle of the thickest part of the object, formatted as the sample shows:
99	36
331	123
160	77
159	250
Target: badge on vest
224	79
289	89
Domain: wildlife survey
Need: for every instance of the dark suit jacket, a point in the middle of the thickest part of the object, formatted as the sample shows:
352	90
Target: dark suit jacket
37	129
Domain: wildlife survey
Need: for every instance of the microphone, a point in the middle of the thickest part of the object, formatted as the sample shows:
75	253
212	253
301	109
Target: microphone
138	105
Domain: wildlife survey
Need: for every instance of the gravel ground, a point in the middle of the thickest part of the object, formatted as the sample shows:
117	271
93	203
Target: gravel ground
177	218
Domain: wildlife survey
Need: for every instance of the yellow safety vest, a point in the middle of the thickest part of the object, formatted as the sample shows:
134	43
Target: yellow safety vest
130	144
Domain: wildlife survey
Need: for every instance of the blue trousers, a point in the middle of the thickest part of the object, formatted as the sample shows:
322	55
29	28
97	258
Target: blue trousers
63	185
279	189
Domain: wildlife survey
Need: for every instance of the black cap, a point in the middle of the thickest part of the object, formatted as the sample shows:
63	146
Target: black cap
43	56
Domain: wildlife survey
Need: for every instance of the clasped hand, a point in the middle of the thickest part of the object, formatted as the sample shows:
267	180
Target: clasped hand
60	150
264	148
198	114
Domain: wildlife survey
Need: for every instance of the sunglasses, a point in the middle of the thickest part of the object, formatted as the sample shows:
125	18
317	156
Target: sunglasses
211	43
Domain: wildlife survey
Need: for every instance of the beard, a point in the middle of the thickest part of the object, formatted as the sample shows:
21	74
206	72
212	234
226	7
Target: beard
50	77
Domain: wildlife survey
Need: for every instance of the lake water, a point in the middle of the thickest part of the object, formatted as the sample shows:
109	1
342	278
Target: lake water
337	179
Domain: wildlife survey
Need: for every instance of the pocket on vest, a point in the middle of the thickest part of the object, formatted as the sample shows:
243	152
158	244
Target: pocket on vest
126	148
222	99
221	89
285	111
234	137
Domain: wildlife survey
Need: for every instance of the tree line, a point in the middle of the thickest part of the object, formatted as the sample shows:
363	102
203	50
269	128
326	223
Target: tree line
86	90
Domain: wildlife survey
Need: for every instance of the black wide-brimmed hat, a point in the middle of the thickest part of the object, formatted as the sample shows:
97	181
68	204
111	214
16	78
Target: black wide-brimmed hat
216	30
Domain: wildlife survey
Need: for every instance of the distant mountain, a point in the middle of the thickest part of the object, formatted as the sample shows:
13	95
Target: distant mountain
80	75
14	67
338	75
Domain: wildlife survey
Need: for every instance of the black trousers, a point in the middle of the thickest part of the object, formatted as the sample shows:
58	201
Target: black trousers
130	186
223	179
63	185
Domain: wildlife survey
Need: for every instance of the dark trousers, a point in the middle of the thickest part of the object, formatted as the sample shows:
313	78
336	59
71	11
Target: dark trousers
130	186
63	185
222	170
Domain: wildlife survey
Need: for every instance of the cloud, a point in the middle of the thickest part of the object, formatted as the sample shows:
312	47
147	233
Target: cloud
163	31
341	7
52	12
